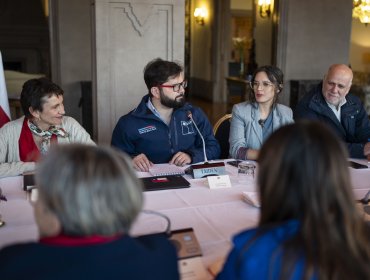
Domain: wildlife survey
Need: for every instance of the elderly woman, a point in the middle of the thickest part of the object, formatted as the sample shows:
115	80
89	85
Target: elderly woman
253	121
309	227
22	141
88	198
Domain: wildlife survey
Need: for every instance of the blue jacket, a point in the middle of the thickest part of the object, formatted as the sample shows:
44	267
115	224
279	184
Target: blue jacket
354	128
140	131
147	257
245	130
259	257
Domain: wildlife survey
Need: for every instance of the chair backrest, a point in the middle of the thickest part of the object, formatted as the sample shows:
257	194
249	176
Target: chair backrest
221	130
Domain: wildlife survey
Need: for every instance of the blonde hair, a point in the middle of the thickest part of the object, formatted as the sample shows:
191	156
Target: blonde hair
92	190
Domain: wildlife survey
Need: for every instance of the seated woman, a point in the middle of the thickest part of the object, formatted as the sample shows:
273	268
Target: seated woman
309	227
253	121
88	198
22	141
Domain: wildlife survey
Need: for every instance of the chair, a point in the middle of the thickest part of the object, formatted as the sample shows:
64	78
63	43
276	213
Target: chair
221	130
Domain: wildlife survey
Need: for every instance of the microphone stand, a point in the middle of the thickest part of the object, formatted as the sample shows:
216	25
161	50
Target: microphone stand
204	169
201	136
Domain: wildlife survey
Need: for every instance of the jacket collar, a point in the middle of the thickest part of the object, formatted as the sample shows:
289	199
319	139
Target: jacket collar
142	109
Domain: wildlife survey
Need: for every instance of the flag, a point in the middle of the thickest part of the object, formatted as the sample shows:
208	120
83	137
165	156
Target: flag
4	102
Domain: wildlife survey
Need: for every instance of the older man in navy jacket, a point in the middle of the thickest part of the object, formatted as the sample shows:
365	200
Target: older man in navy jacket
160	130
330	103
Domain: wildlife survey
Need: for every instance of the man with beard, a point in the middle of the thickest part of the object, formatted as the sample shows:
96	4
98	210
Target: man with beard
160	130
331	103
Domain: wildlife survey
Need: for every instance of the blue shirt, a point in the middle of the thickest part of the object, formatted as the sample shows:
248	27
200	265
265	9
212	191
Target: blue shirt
259	257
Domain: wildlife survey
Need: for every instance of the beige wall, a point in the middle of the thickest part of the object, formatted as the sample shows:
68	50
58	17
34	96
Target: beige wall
360	47
241	4
128	35
71	27
201	42
263	39
311	39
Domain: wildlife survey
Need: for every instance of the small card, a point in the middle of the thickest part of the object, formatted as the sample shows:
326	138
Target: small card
34	195
251	198
193	269
219	182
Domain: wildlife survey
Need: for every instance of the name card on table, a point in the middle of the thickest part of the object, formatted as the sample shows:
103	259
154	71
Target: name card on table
219	182
207	169
189	253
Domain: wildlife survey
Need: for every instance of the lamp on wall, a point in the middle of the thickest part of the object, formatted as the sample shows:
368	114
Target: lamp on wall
200	15
264	8
361	10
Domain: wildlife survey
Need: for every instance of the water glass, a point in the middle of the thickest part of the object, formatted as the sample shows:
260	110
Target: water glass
246	170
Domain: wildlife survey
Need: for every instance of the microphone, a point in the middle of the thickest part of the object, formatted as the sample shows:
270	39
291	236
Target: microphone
190	116
204	169
261	123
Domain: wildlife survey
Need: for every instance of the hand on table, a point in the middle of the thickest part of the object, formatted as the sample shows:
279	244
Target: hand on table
252	154
180	159
141	163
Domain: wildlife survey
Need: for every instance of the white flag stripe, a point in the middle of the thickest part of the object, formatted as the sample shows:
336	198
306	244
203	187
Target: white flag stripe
4	102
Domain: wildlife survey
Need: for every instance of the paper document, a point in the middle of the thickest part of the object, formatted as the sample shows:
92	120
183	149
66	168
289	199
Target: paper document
251	198
166	169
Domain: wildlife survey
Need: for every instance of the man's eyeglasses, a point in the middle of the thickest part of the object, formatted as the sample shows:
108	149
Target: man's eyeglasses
175	87
256	85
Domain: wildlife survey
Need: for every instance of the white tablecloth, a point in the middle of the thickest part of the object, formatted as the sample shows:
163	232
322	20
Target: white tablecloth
215	215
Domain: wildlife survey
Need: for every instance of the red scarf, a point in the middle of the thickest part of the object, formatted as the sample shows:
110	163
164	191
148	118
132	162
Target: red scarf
66	240
28	151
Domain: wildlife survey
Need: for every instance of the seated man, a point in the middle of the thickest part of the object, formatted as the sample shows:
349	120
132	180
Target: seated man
330	103
88	199
160	130
24	140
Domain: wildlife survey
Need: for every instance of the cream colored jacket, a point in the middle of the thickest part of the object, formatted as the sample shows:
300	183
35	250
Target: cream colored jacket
10	164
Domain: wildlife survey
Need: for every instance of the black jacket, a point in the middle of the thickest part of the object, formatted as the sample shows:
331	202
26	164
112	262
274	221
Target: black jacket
354	127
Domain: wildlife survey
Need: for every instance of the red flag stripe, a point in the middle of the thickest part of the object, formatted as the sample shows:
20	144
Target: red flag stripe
3	117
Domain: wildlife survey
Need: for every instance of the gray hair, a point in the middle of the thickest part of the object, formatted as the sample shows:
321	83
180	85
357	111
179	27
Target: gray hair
92	190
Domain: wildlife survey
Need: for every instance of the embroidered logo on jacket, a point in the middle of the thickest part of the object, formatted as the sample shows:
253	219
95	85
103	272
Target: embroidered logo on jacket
147	129
187	127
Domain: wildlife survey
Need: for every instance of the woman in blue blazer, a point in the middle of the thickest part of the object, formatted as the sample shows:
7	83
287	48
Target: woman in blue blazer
253	121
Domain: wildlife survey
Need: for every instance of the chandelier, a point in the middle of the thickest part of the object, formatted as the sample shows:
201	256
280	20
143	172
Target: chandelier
361	10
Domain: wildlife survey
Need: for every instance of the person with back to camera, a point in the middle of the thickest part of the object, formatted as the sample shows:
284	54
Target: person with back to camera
253	121
88	198
332	103
22	141
309	226
160	130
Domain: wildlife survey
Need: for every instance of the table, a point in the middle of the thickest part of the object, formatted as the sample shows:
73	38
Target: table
17	212
215	215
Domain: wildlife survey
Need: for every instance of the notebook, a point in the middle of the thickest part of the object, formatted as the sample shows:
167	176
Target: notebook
165	169
165	182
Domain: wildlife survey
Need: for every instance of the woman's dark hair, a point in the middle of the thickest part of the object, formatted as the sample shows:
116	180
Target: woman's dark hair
275	76
303	175
33	93
158	71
